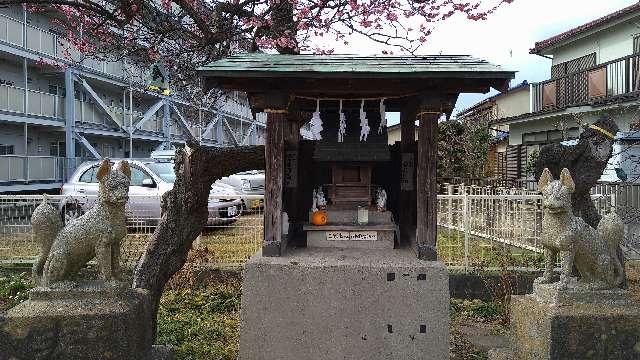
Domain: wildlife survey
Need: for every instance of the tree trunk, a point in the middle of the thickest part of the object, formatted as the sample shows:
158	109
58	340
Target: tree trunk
185	212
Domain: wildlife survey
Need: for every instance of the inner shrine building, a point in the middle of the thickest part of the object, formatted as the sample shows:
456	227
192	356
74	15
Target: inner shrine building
363	280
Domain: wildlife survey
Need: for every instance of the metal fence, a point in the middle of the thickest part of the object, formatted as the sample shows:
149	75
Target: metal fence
229	239
474	231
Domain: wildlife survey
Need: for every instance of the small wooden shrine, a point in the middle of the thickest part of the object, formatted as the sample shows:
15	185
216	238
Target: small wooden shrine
343	96
350	287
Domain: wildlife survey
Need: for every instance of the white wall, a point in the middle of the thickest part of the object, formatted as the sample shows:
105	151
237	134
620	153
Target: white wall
516	130
608	44
513	103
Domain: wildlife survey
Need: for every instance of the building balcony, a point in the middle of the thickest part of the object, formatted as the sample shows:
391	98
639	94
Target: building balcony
611	82
18	168
12	99
17	33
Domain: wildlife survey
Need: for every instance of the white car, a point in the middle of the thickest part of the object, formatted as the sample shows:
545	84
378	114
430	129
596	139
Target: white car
247	183
150	179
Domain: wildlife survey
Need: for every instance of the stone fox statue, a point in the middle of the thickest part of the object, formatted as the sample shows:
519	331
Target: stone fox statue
95	234
593	251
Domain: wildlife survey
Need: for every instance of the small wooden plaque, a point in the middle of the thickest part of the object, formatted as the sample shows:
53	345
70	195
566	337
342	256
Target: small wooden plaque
352	235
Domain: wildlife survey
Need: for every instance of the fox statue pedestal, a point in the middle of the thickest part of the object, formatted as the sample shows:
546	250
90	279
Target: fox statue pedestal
558	324
575	319
68	318
84	320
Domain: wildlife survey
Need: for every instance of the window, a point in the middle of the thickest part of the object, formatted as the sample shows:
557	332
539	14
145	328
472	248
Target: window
636	44
57	149
107	150
89	176
6	150
549	136
537	137
137	176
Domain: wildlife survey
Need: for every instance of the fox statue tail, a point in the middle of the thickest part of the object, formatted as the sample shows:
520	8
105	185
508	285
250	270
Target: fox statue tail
46	223
611	230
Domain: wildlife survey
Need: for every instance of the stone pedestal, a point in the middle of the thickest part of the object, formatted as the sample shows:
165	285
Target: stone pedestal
565	325
81	321
329	303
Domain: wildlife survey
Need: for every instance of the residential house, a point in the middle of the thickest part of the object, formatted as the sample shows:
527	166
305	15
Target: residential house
595	71
393	133
513	102
54	116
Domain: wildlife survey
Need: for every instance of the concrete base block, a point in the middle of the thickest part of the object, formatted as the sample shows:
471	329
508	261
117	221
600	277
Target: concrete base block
82	321
585	329
328	303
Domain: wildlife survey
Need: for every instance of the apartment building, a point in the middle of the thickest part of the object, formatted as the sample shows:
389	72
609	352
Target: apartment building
56	113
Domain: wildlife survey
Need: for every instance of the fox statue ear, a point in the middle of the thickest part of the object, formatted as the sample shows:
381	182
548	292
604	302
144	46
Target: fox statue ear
104	170
566	180
123	166
545	179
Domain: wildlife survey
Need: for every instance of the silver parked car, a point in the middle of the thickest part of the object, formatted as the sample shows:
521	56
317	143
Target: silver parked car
247	183
150	179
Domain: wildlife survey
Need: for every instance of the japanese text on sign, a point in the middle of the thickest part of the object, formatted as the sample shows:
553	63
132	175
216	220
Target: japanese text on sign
291	169
406	172
352	235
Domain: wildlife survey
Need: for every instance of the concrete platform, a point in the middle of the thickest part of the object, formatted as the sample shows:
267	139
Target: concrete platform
329	303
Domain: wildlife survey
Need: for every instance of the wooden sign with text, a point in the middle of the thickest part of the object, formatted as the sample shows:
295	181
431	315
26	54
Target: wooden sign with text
407	169
291	168
352	235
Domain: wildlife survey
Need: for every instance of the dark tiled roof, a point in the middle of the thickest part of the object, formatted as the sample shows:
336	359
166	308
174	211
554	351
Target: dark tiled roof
260	64
544	44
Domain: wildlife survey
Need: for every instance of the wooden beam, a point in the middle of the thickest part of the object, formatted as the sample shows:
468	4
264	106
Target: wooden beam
427	187
274	157
407	208
274	244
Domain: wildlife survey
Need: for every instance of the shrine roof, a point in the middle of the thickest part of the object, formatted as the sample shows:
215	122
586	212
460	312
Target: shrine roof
321	66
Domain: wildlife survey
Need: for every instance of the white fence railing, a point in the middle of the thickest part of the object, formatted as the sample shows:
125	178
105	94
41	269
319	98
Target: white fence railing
473	230
233	232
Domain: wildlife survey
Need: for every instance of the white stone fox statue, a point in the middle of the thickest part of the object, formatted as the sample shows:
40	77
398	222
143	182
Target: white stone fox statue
95	234
593	251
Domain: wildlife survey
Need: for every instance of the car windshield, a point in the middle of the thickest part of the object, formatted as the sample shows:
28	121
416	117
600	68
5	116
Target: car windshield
164	170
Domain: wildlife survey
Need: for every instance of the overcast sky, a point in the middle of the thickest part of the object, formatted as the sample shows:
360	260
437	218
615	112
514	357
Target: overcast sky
506	37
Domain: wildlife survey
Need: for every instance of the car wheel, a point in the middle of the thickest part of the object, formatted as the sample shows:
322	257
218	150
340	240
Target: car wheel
71	212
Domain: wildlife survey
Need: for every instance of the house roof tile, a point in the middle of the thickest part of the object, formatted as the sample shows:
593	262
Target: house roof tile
545	44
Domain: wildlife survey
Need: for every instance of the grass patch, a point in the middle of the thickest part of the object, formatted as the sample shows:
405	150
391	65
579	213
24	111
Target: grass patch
478	310
483	253
14	289
202	323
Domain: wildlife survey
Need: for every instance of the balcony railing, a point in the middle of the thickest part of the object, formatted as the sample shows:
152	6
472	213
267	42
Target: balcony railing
47	43
31	168
12	99
616	79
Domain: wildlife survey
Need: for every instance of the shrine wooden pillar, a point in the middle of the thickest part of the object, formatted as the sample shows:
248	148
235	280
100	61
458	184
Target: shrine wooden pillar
427	184
291	190
407	210
276	107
